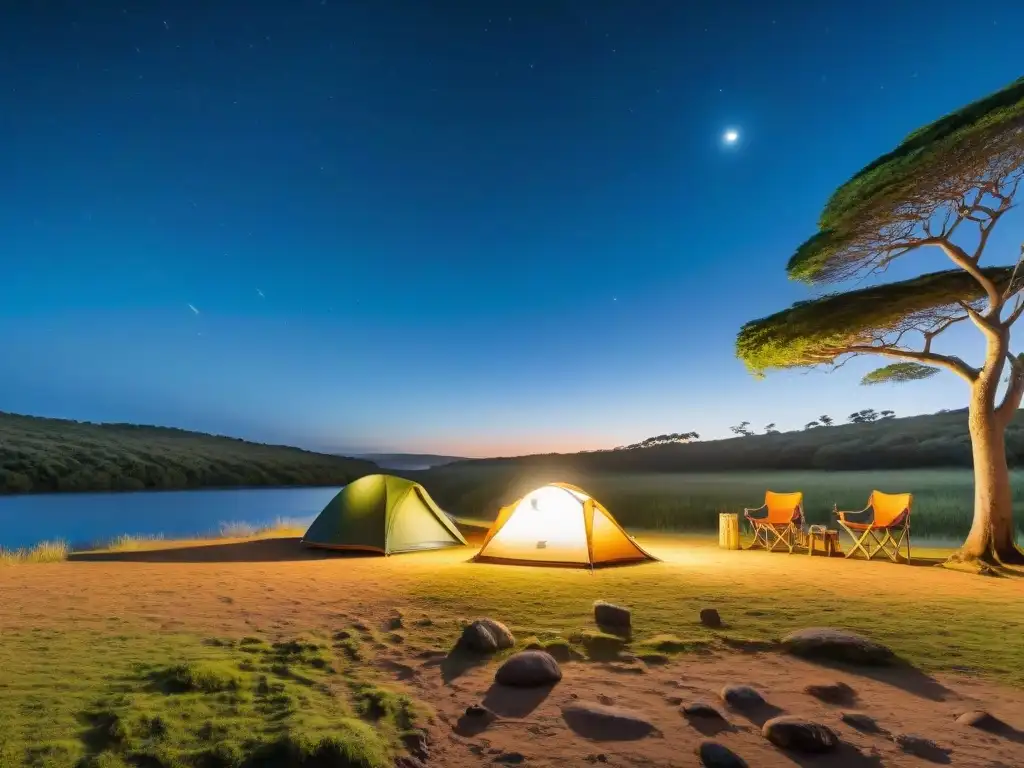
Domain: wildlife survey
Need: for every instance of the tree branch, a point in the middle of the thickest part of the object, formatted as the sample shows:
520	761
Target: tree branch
959	257
1011	399
1015	315
938	330
949	362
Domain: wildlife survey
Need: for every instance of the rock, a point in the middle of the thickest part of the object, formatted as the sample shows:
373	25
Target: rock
832	693
703	710
479	711
921	747
982	720
598	721
799	735
825	644
715	755
510	758
529	669
674	701
606	700
709	618
561	651
416	743
742	696
608	615
486	636
860	721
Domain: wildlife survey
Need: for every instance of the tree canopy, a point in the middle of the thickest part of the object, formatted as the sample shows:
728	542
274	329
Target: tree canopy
898	373
821	330
884	210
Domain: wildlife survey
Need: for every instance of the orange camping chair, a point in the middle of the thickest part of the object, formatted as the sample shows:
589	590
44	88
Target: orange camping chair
886	515
775	523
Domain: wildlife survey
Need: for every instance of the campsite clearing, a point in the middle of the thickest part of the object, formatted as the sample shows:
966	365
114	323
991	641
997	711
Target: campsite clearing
184	636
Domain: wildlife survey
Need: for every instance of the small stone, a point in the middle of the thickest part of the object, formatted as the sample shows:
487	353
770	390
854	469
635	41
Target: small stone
529	669
921	747
416	743
824	643
486	636
606	700
608	615
709	618
478	710
742	696
860	721
799	735
715	755
673	701
982	720
832	693
605	722
703	710
561	651
510	758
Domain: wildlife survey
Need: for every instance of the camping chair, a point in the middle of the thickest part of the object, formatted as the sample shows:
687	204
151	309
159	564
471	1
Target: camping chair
885	514
776	522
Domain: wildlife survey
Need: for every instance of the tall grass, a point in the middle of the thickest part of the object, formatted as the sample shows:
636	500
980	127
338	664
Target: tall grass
943	498
43	552
282	526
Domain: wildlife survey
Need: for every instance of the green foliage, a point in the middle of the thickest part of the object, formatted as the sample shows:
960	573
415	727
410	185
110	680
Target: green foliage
818	331
99	701
962	147
898	373
47	455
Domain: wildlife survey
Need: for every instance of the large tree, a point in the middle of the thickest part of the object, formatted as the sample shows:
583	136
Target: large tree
944	188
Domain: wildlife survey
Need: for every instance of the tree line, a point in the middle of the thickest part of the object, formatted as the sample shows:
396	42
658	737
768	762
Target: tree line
39	455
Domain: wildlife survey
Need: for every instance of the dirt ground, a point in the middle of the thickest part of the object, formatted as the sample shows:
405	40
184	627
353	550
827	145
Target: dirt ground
276	588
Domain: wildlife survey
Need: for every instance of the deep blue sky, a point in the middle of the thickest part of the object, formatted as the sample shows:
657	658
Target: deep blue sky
454	226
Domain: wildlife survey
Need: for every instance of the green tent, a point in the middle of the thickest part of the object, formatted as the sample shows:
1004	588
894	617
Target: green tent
385	514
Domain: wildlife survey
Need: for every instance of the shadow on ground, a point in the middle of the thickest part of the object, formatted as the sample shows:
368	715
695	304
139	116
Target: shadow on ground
900	674
260	551
505	701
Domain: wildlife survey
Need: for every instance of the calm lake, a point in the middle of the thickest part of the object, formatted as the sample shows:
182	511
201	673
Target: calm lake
82	518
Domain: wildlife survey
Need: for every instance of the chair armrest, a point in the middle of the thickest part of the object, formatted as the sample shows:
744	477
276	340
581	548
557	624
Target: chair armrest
842	513
754	509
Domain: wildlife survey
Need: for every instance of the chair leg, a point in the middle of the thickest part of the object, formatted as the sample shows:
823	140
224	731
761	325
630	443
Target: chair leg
858	543
879	544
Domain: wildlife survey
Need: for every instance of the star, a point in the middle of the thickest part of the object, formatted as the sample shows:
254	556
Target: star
731	136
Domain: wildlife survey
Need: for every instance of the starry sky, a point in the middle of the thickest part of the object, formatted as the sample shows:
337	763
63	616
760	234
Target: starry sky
463	227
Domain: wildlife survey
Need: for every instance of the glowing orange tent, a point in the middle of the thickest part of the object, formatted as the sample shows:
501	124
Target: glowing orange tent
559	524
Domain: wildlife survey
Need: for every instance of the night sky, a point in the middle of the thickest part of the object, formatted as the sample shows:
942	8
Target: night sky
452	226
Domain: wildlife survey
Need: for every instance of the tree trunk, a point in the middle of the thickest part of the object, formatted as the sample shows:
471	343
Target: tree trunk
991	539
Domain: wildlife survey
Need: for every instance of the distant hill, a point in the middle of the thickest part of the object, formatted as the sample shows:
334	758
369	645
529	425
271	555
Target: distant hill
936	440
40	455
409	461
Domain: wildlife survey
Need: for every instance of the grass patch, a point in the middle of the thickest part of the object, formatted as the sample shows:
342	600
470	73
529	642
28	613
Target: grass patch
963	630
90	700
131	542
202	677
43	552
